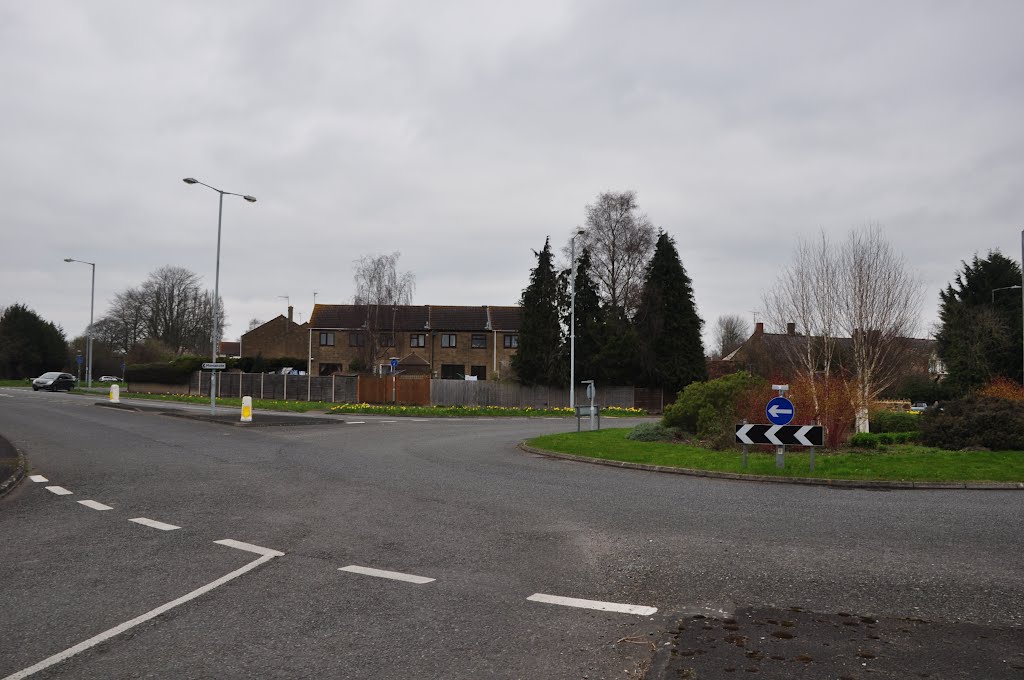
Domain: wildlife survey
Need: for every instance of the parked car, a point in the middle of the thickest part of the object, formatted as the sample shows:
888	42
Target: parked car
109	378
53	381
919	406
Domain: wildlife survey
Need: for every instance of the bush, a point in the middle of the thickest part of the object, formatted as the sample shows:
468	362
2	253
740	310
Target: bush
974	422
175	372
716	399
1003	388
873	440
895	421
652	432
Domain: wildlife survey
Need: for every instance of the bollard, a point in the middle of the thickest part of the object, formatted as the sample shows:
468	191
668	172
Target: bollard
246	409
115	394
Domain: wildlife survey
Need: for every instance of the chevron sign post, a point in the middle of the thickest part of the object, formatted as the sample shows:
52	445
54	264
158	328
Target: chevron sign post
781	435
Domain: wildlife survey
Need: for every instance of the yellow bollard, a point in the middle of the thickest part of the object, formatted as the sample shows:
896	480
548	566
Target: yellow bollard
246	409
115	394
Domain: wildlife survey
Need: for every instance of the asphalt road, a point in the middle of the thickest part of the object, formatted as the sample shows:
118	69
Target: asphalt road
449	500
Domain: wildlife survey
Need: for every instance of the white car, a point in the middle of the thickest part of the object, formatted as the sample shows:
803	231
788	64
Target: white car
919	406
109	378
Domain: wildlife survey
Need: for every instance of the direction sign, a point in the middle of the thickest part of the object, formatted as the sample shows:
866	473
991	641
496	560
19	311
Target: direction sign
78	360
780	411
781	435
394	364
216	366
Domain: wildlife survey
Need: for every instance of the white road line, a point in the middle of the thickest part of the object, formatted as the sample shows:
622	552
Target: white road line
38	478
95	505
593	604
387	421
265	556
397	576
355	422
59	490
153	523
420	420
249	547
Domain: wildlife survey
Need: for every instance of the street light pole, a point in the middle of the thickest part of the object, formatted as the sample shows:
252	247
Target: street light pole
88	334
572	320
216	288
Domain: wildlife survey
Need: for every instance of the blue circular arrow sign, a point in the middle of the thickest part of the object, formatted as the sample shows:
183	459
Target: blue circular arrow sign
780	411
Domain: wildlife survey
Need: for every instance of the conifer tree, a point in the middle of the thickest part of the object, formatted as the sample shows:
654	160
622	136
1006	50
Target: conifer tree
537	360
667	325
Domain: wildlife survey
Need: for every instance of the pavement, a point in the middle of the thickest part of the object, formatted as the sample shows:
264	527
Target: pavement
794	643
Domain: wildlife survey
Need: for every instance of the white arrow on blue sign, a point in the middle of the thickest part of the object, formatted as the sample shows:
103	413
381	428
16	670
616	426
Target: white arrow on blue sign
780	411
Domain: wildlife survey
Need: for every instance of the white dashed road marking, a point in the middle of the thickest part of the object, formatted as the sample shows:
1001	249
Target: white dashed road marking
59	490
395	575
265	555
355	422
38	478
95	505
153	523
593	604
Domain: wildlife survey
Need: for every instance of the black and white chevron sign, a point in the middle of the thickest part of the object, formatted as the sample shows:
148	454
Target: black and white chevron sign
791	435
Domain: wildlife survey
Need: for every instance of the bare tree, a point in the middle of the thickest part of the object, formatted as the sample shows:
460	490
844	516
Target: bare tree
730	332
862	290
254	323
880	309
381	287
620	240
805	294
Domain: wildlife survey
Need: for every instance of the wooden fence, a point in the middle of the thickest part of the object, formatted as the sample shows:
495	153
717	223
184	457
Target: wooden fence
407	390
485	393
413	390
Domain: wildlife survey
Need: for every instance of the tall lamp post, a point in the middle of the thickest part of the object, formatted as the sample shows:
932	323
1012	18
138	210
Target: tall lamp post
216	287
572	319
92	305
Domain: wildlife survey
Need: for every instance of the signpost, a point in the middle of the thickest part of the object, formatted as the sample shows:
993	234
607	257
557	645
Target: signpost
779	433
214	366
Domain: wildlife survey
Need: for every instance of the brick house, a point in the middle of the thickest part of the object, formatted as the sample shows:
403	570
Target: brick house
279	337
442	341
770	354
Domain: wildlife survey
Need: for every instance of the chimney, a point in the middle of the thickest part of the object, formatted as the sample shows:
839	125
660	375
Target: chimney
759	328
790	328
290	310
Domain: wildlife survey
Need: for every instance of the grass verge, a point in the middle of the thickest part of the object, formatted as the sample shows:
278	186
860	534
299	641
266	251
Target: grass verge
260	404
15	383
893	463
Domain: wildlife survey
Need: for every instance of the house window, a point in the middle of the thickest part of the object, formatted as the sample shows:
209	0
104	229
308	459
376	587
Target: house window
452	371
356	340
327	339
330	369
478	341
479	371
448	339
511	341
418	340
387	339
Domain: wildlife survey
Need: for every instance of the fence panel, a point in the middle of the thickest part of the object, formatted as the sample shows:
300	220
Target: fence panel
484	393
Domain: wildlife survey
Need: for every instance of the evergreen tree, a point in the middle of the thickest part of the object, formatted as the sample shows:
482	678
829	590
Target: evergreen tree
619	358
979	337
668	327
540	334
29	346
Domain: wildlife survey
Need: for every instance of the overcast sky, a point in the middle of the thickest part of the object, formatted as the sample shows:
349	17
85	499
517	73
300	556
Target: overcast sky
464	133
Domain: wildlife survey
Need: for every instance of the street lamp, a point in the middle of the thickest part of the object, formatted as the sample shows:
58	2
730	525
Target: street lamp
216	287
1003	288
572	319
88	334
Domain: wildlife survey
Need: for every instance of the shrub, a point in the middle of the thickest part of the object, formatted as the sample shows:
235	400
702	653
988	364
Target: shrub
715	398
864	440
895	421
874	440
1003	388
652	432
973	422
174	372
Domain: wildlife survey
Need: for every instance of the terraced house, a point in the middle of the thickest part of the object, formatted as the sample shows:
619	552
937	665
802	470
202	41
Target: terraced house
440	341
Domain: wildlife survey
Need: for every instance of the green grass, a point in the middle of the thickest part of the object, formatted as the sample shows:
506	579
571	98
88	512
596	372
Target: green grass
15	383
892	463
449	411
258	404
